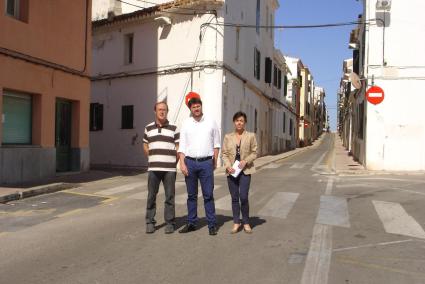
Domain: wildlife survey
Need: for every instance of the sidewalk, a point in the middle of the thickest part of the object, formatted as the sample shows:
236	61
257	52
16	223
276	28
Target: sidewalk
341	163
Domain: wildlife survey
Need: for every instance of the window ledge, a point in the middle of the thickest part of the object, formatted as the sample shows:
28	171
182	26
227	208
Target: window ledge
19	146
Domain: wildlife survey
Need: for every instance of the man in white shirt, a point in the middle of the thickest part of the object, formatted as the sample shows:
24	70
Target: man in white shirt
198	150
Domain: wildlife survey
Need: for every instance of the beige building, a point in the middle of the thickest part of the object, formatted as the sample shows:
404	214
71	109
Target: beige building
306	108
44	88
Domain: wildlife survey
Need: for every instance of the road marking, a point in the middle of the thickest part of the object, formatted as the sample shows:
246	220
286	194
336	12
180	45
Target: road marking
72	212
122	188
333	211
356	185
407	190
279	205
329	185
224	203
319	255
396	220
271	166
316	164
140	195
378	267
373	245
298	166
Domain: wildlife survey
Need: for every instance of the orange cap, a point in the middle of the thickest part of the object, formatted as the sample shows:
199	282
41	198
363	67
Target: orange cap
191	95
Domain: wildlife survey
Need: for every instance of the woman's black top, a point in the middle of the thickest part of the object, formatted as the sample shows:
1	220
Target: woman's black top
238	151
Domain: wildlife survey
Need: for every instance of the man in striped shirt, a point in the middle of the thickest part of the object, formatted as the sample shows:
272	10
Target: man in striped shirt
160	144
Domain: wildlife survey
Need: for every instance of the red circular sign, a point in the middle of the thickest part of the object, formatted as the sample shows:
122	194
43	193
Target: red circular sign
375	95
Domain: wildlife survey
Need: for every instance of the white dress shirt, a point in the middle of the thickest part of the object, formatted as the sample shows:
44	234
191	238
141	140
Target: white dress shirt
199	138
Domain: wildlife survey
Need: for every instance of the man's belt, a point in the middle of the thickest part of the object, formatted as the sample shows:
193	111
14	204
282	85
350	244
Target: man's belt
199	159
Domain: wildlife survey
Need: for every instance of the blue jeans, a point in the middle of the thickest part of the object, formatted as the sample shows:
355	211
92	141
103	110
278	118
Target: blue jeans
204	172
239	190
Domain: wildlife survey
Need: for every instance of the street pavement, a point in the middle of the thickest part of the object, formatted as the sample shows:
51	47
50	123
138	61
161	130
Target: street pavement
317	217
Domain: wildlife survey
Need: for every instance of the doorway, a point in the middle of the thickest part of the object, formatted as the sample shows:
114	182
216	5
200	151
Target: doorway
63	135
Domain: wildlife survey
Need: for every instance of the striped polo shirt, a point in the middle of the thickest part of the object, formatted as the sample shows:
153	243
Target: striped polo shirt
162	146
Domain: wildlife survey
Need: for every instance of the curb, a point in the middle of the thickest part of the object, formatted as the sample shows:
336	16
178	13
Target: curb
37	190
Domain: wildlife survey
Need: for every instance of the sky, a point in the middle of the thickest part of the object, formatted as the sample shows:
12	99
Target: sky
322	50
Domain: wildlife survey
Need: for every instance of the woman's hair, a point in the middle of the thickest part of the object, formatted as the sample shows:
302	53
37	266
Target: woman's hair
240	114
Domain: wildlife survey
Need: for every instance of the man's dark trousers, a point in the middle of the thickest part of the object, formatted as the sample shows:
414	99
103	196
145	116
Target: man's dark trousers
169	181
204	171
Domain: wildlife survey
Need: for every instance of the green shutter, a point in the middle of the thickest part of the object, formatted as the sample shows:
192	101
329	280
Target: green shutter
17	118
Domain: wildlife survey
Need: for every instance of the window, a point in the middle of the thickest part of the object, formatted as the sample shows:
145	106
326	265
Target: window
237	43
284	122
96	117
291	125
127	117
257	62
360	121
17	9
258	17
128	46
275	74
300	79
17	118
285	84
268	70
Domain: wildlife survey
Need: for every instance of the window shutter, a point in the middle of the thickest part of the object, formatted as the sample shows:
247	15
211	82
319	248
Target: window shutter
268	71
99	117
17	118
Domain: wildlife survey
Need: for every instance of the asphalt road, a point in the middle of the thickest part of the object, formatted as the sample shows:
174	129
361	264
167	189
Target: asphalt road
309	226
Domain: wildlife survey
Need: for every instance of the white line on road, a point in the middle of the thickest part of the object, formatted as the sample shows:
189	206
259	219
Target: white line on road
329	185
407	190
122	188
318	260
279	205
271	166
297	166
333	211
139	196
316	164
373	245
224	203
396	220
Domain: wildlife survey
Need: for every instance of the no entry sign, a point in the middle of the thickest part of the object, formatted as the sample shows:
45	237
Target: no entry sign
375	95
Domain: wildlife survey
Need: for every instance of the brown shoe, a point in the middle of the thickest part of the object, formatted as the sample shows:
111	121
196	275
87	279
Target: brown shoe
247	229
236	228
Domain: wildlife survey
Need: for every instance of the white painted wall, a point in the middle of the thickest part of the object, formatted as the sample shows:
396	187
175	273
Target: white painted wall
395	131
160	48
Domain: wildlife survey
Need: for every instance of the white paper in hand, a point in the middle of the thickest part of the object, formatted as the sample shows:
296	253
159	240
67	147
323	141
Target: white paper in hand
236	168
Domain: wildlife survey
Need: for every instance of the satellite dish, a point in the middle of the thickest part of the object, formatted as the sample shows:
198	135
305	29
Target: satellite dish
355	80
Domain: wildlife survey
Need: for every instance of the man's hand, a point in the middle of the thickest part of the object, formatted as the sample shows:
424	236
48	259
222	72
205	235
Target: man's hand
184	169
242	164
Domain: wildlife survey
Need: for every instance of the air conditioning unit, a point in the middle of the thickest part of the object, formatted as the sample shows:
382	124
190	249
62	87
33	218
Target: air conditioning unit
383	5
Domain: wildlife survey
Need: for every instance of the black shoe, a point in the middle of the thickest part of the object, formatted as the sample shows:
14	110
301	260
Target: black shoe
213	231
169	229
187	228
150	228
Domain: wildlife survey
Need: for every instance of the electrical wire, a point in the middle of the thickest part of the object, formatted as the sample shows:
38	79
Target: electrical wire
153	3
195	11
